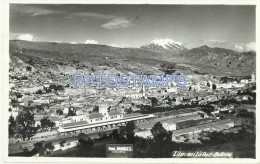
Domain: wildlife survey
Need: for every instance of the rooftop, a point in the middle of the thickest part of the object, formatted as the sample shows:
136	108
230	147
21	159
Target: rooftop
95	115
54	118
132	115
114	113
68	125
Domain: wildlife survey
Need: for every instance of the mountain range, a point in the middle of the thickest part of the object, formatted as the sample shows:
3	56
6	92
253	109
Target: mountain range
200	60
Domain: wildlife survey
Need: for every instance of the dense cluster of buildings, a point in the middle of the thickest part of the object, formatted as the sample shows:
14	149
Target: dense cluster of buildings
72	110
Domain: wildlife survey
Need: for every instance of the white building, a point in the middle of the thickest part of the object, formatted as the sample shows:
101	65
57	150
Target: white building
169	126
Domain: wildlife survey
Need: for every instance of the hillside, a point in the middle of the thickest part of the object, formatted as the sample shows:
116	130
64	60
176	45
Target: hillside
201	60
71	58
218	60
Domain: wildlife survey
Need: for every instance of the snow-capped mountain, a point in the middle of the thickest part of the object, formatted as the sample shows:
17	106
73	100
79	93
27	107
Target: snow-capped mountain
165	45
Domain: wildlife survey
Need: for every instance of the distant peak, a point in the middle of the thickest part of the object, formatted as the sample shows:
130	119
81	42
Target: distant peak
205	46
165	42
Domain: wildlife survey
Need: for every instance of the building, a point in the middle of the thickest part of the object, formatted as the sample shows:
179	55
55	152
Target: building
253	78
214	126
169	126
102	121
134	95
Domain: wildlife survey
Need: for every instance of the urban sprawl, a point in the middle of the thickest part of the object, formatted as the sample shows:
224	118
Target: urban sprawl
54	113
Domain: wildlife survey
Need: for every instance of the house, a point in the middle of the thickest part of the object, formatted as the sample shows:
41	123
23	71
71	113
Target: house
96	117
14	106
37	119
46	85
42	101
14	113
135	95
79	112
171	89
115	115
78	118
56	120
66	120
13	97
245	81
169	126
66	110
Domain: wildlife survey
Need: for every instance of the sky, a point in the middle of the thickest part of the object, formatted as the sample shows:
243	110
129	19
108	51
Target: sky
224	26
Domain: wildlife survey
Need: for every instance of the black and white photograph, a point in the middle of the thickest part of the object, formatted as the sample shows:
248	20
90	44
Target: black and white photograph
135	81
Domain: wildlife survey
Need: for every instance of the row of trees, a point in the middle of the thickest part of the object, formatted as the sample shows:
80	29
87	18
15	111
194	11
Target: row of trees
43	148
46	123
24	125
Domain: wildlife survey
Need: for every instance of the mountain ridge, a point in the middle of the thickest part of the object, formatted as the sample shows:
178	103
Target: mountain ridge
201	59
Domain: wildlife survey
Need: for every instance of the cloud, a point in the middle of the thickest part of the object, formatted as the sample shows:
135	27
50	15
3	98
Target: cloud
238	48
118	46
109	21
242	47
27	37
112	21
28	10
42	12
91	42
94	15
62	11
250	46
215	41
117	23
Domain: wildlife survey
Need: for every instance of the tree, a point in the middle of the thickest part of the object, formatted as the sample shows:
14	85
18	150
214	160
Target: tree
160	134
248	118
26	125
129	110
47	90
38	148
46	123
96	109
154	101
28	68
38	91
24	78
48	148
85	143
59	112
246	114
56	87
129	130
214	87
115	134
62	143
71	113
122	133
30	61
208	109
12	126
